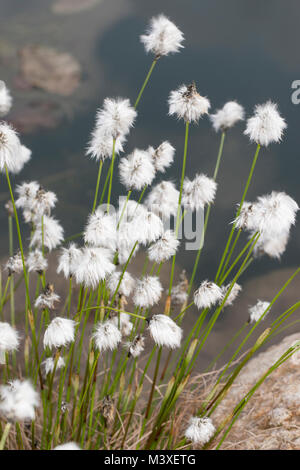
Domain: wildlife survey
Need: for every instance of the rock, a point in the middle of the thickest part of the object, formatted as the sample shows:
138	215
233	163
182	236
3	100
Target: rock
63	7
50	70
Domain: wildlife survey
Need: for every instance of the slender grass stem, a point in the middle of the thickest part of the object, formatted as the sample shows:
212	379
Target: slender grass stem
97	185
145	82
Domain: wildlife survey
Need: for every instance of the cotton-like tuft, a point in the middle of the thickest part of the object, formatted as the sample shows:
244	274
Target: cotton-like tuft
136	170
199	192
163	199
47	299
126	285
36	262
49	364
5	99
25	156
266	125
68	446
9	340
10	149
164	248
101	229
186	103
258	310
48	232
18	401
228	116
116	117
60	332
136	346
162	157
14	264
149	228
94	264
207	295
147	292
68	260
236	289
107	336
163	37
200	430
165	332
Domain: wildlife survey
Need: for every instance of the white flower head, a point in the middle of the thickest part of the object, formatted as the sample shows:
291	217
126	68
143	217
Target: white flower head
270	245
148	228
68	446
163	37
136	170
9	340
49	364
5	99
163	199
136	346
126	285
187	104
179	293
10	149
101	229
116	117
266	126
18	401
164	248
36	262
47	299
236	289
101	146
126	242
60	332
147	292
93	266
200	430
49	232
258	310
14	264
129	210
207	294
68	260
164	331
199	192
228	116
27	193
162	157
43	202
25	156
123	323
107	336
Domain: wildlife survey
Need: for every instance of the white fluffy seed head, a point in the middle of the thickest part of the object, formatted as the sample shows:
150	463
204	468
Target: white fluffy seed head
68	260
136	346
179	293
25	156
162	157
148	228
126	241
18	401
273	246
5	99
126	285
36	262
165	332
207	294
116	117
147	292
9	338
48	232
199	192
107	336
136	170
10	149
49	364
258	310
94	264
266	125
101	229
186	103
47	299
101	146
163	37
164	248
236	289
27	193
200	430
68	446
228	116
60	332
14	264
123	323
163	199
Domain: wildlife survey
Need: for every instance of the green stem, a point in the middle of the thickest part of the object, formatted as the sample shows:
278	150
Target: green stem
145	82
111	174
97	185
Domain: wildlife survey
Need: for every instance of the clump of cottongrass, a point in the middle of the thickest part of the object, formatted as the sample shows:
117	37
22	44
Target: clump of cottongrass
59	333
9	340
94	264
163	37
164	331
106	336
162	157
208	294
5	99
259	310
14	264
147	292
50	363
200	430
137	170
266	125
164	248
225	118
47	299
163	199
18	401
199	192
36	261
186	103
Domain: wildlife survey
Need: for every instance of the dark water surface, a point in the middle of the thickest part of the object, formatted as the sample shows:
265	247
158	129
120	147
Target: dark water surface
234	49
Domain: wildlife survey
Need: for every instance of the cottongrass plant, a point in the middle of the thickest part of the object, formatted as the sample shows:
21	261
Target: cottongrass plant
110	365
